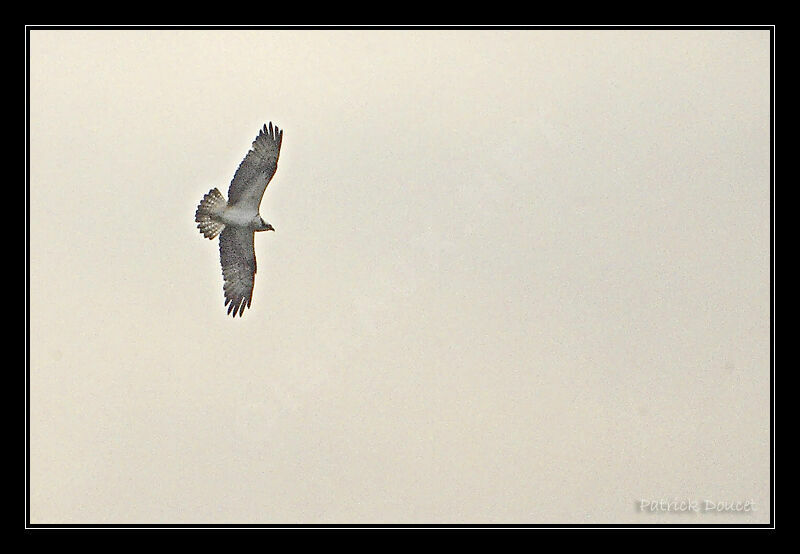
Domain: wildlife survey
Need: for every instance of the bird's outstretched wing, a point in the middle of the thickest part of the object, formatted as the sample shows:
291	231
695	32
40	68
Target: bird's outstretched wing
256	169
238	258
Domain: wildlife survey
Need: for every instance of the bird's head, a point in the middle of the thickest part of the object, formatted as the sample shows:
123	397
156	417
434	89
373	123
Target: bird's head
263	225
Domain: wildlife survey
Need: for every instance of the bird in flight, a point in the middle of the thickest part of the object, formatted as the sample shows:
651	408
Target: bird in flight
237	220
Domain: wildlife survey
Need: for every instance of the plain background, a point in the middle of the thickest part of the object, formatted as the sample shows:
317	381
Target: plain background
517	277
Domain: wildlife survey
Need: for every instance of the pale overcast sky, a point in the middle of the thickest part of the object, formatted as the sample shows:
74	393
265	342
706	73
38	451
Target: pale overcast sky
517	277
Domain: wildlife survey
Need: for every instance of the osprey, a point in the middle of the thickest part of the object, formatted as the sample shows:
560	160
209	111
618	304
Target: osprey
237	220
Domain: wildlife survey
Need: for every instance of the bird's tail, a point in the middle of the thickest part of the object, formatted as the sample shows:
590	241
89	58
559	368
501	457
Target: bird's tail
212	204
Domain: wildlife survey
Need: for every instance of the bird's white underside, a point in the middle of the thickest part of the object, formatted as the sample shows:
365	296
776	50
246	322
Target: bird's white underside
237	215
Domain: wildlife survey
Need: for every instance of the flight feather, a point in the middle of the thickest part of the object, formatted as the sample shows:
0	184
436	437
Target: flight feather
238	259
257	168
